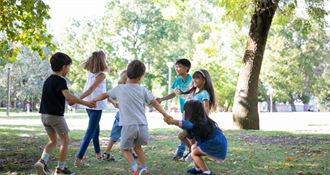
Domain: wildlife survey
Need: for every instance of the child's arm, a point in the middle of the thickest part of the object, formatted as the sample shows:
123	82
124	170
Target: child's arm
73	99
156	105
206	106
169	96
100	97
115	104
97	81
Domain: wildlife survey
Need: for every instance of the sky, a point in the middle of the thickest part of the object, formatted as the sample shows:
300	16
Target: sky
62	10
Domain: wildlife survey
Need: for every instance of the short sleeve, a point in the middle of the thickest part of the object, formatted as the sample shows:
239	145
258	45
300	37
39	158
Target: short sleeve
205	96
61	85
113	92
148	96
175	84
186	124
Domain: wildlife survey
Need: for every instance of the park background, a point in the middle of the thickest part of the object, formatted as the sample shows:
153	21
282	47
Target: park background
213	35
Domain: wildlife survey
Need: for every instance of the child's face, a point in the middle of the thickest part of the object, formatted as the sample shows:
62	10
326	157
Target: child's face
198	81
180	69
66	70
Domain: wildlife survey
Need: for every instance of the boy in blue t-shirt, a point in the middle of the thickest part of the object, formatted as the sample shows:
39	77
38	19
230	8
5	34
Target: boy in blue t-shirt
182	83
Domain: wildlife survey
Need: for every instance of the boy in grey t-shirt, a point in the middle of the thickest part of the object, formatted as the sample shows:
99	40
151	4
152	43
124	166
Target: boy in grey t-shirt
131	98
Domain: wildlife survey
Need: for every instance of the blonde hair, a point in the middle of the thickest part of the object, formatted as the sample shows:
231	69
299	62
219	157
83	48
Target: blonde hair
96	63
122	77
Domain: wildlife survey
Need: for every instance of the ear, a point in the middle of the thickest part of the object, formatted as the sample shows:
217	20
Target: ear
63	67
140	78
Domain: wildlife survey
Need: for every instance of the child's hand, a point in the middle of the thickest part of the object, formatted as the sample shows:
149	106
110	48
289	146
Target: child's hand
116	105
168	119
159	100
70	103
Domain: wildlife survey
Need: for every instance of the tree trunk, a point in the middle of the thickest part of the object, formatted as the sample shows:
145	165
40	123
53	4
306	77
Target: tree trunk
291	101
245	114
266	96
274	106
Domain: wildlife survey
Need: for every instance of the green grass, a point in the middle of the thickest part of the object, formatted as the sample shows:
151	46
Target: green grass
249	152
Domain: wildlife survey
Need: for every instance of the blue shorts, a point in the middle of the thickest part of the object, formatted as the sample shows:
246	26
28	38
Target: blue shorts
116	130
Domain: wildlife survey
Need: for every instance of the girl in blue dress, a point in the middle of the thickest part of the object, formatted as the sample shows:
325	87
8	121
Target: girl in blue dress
203	91
210	140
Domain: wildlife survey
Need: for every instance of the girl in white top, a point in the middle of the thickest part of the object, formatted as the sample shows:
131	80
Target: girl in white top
95	85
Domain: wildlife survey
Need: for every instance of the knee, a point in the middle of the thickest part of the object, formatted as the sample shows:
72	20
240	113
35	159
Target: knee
181	136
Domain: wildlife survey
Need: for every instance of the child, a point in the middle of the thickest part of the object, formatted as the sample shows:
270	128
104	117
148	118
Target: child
182	83
210	140
115	131
54	94
203	91
95	85
132	97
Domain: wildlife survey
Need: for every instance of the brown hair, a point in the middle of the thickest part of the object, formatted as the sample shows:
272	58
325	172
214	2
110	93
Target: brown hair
122	77
96	63
135	69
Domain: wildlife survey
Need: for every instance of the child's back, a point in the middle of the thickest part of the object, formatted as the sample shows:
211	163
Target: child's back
131	98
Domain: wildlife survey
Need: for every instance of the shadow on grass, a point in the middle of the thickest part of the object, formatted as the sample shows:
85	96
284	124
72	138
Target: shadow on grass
249	152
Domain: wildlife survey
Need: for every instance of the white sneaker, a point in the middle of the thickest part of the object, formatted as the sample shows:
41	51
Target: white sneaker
192	164
188	158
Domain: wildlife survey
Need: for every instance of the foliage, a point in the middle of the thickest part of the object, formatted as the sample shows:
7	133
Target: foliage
22	21
27	76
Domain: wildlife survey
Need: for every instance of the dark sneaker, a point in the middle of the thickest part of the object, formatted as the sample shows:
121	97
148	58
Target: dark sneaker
134	155
194	171
66	171
108	157
207	174
41	167
140	171
178	156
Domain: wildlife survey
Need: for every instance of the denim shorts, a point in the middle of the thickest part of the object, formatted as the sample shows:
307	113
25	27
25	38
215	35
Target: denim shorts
54	124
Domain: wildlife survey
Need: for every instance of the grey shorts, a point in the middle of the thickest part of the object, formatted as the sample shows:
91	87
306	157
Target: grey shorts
134	135
54	124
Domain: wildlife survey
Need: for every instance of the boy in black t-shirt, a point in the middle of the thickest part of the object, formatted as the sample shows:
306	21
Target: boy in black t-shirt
54	94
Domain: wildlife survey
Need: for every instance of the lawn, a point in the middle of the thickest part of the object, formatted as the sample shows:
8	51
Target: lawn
249	152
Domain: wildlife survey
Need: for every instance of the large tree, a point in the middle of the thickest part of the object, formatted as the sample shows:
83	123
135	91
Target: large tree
23	21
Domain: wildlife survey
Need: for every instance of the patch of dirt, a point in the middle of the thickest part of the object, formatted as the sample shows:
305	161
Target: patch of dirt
283	140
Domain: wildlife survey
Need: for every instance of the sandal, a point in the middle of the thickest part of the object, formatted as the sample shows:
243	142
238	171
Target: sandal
108	157
98	156
80	164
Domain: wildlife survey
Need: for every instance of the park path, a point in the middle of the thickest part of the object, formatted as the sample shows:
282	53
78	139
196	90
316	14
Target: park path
306	122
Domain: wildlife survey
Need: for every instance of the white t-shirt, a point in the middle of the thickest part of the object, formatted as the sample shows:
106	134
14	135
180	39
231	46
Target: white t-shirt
100	89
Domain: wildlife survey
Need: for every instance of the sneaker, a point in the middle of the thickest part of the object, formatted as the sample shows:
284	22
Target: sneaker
140	171
207	174
178	156
188	158
186	155
134	155
108	157
41	167
66	171
192	164
194	171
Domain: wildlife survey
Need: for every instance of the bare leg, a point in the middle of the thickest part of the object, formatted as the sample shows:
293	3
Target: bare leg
141	157
196	156
184	140
128	156
52	142
64	138
110	145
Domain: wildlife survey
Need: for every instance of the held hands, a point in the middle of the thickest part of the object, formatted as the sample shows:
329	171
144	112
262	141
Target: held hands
168	119
116	105
91	104
159	100
70	103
